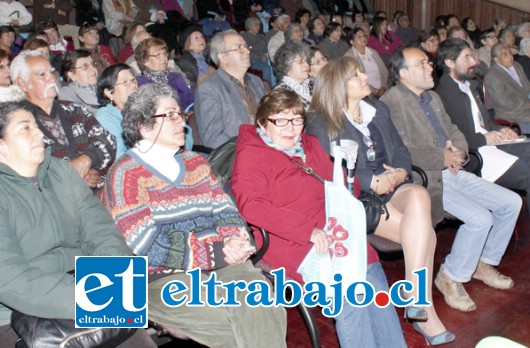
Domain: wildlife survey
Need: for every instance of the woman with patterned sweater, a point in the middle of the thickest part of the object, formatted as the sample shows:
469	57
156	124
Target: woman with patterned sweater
171	208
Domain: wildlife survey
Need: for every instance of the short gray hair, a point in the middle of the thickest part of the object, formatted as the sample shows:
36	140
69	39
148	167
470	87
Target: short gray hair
20	67
496	50
250	21
282	18
524	47
283	59
139	108
217	45
289	31
522	27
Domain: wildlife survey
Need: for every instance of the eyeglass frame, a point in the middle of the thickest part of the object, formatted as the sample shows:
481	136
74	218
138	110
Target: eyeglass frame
423	64
287	121
85	66
317	61
181	114
163	53
239	48
127	83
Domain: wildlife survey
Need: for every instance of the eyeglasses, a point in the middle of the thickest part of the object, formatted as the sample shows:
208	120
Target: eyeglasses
370	152
86	66
173	115
424	64
282	122
127	83
159	55
301	61
316	61
240	48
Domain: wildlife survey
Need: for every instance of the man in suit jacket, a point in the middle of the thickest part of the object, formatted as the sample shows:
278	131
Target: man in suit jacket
506	165
489	212
508	88
229	97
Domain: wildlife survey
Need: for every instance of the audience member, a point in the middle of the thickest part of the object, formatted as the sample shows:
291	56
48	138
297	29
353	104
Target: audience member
274	193
135	41
80	73
488	39
452	20
506	165
70	130
48	218
8	92
58	45
55	14
36	44
488	211
507	37
206	232
295	33
442	33
404	31
89	40
498	25
383	41
371	63
114	86
273	25
291	66
507	88
128	51
523	57
332	46
383	166
428	41
302	17
7	40
259	57
193	60
230	96
118	14
316	62
278	39
152	57
316	30
14	13
473	31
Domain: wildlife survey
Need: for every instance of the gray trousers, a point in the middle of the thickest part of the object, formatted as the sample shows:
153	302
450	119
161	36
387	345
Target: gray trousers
223	326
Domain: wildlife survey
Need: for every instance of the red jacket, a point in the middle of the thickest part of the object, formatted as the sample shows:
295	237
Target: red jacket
276	194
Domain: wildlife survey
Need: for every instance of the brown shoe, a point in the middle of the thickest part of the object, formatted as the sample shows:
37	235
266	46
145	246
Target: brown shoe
491	277
455	294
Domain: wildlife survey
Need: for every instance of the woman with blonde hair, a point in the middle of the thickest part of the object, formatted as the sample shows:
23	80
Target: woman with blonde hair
342	111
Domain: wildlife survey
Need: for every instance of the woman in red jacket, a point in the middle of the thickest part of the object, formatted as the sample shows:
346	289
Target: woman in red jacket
274	193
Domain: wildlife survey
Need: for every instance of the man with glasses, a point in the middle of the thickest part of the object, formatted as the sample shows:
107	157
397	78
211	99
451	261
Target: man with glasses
507	164
488	211
229	97
72	132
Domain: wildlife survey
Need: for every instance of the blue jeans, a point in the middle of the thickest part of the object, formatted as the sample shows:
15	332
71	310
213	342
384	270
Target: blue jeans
489	213
265	69
370	326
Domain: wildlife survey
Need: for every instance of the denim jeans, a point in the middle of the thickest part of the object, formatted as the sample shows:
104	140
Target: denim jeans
488	212
370	326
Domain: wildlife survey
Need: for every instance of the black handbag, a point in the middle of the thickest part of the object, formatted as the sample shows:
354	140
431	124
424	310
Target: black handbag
374	206
36	332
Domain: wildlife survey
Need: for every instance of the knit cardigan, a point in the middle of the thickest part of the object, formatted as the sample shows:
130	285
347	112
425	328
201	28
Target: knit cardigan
179	225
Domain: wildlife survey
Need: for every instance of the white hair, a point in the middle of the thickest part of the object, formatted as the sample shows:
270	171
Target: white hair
20	67
524	47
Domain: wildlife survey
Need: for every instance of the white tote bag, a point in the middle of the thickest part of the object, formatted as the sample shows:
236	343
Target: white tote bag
346	229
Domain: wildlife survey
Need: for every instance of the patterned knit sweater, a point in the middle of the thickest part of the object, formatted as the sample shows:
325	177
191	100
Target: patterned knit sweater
179	225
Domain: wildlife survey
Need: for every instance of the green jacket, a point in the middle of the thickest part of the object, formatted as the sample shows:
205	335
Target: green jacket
42	229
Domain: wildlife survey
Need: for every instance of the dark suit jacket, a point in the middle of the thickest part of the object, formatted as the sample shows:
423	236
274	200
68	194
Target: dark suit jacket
420	138
458	106
397	154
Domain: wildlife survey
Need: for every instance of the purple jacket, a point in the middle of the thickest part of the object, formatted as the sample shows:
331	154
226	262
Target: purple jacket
177	82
